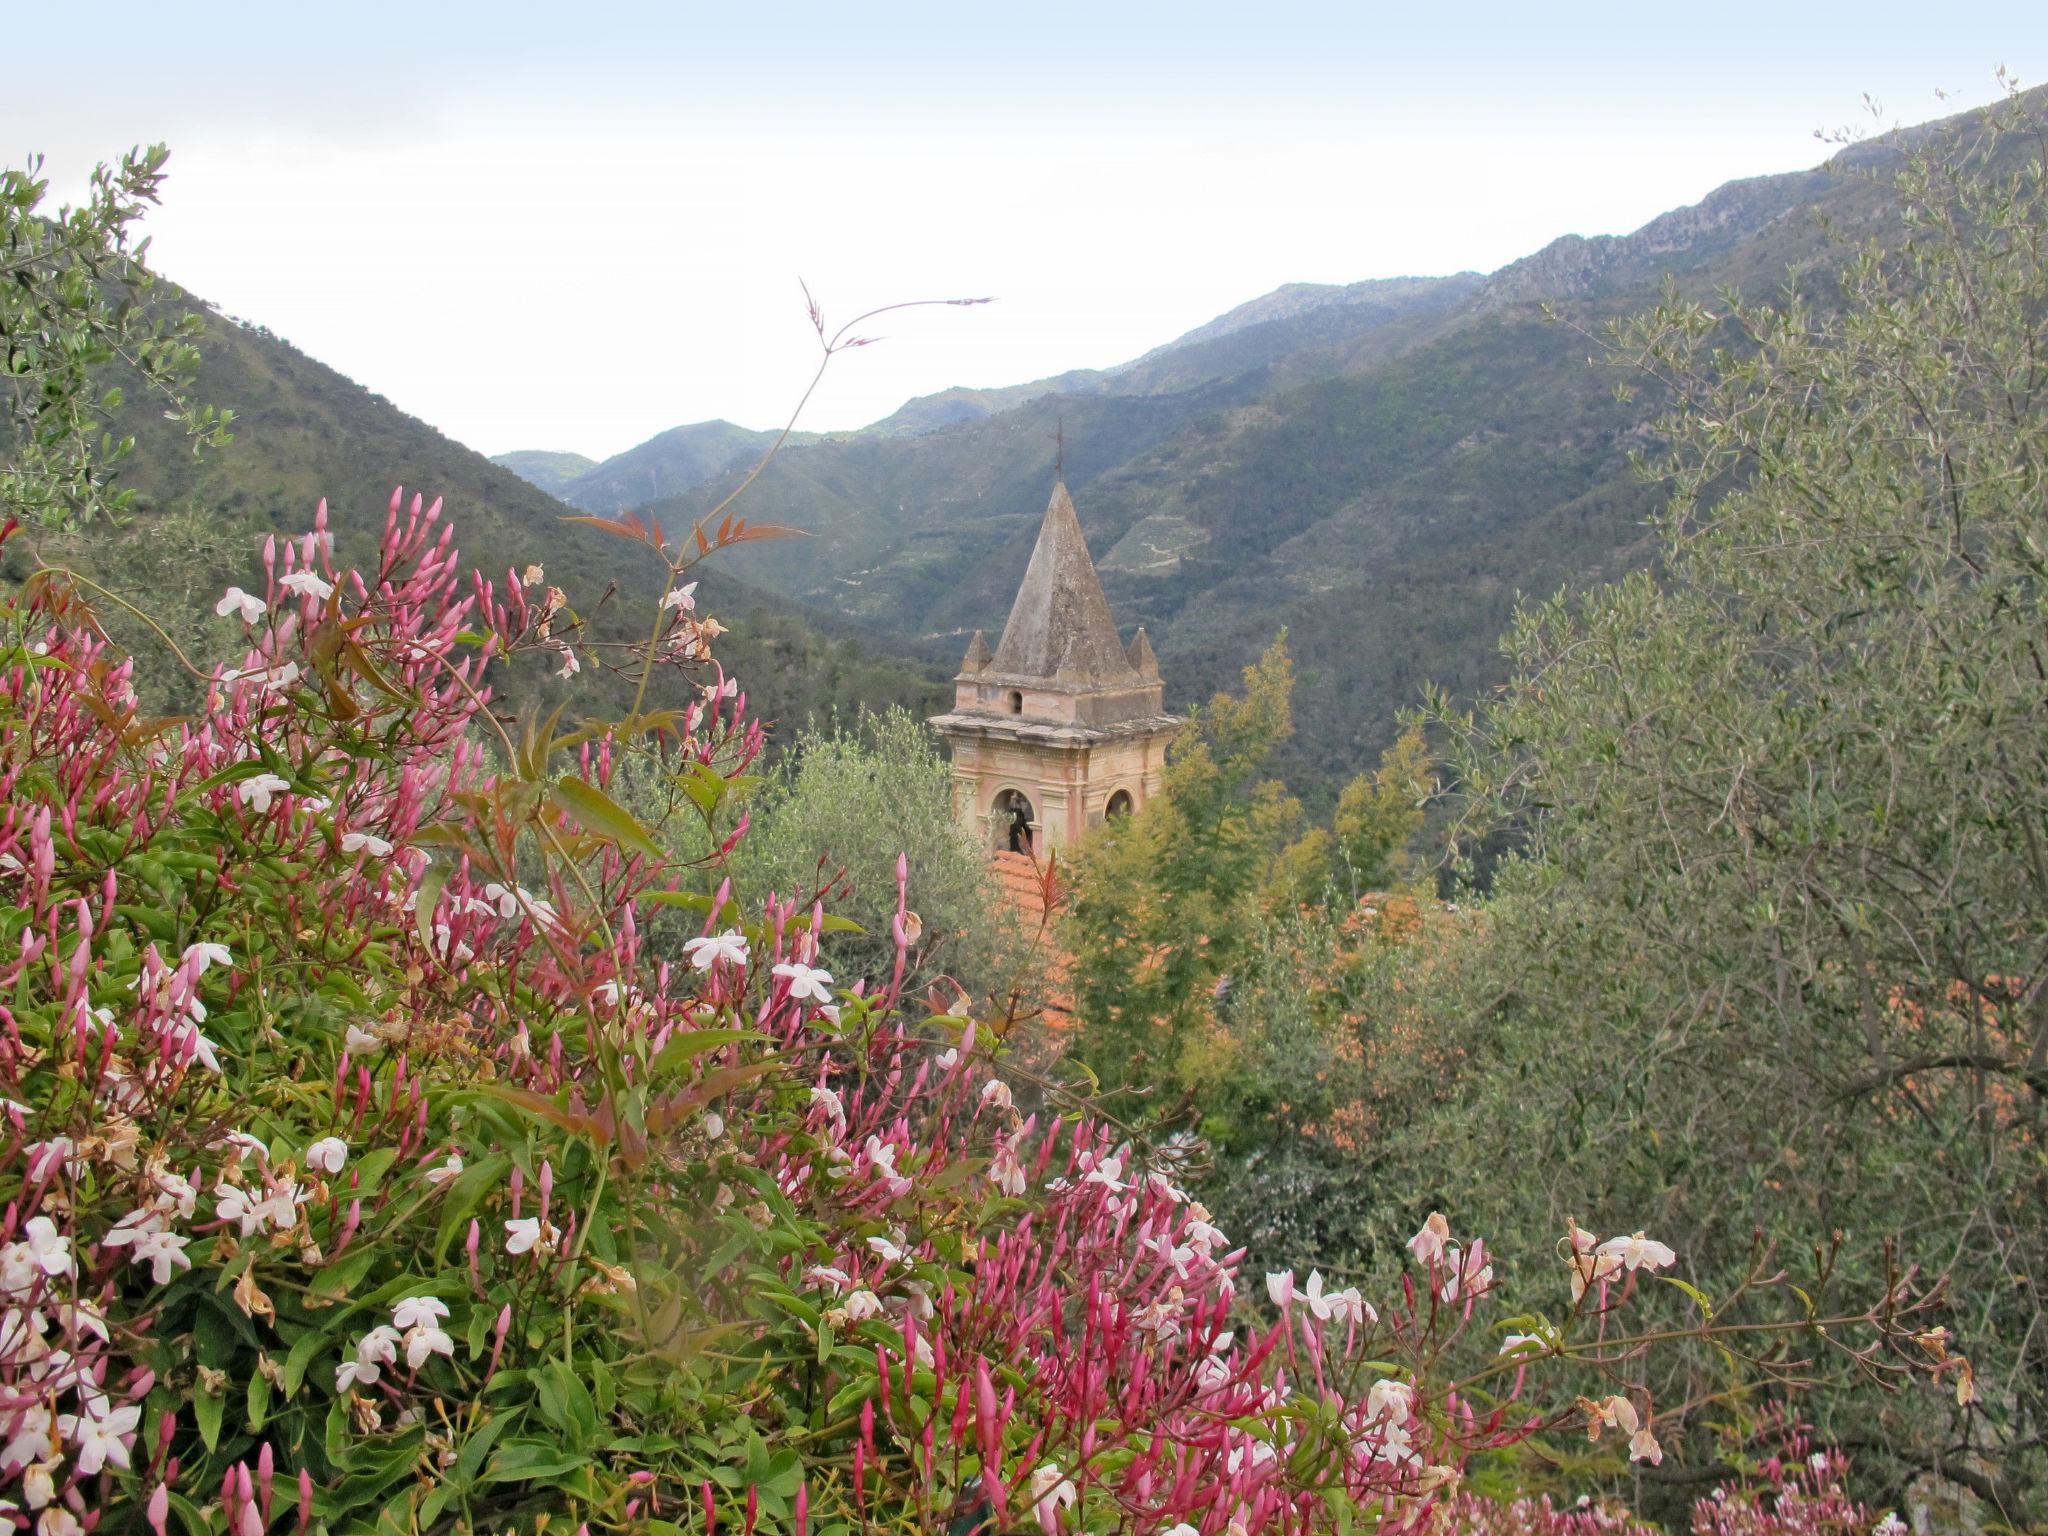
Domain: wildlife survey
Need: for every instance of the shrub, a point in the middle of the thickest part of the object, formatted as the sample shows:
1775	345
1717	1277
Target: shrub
366	1171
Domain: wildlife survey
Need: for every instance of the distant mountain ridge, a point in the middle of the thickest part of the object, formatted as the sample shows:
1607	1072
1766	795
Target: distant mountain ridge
667	464
1379	467
304	432
550	471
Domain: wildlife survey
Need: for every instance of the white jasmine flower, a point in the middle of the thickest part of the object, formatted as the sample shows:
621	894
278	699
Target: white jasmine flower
374	1350
307	584
235	600
327	1155
360	842
1428	1244
162	1252
804	982
256	792
862	1304
1638	1252
209	954
101	1434
705	952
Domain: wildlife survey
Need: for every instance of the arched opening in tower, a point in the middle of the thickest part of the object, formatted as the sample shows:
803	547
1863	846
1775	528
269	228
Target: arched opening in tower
1014	821
1119	805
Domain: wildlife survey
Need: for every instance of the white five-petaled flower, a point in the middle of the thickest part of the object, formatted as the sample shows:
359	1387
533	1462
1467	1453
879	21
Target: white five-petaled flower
1343	1306
327	1155
1280	1287
862	1304
682	597
361	1042
241	1146
828	1274
235	600
425	1340
1523	1343
256	792
804	982
1391	1400
997	1092
365	842
307	584
729	946
530	1234
833	1106
374	1350
888	1252
570	665
1109	1173
102	1433
208	954
443	1172
1638	1252
162	1252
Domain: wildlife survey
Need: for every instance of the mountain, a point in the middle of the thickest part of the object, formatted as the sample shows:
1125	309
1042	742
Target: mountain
304	432
549	470
1380	468
668	465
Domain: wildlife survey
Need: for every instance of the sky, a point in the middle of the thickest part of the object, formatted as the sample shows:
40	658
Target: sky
572	226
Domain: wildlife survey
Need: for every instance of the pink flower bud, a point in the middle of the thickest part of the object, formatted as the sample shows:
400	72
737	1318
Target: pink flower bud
159	1508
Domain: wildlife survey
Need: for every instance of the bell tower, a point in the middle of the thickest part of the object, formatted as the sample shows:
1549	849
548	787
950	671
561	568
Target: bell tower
1063	725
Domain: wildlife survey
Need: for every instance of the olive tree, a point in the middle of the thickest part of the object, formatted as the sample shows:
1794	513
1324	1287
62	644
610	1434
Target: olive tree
1777	954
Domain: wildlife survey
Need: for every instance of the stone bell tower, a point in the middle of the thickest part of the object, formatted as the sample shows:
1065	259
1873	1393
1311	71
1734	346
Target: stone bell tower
1064	725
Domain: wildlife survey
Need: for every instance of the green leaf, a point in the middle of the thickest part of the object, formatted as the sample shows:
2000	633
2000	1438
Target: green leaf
206	1412
524	1461
688	1047
600	814
428	898
459	1200
259	1400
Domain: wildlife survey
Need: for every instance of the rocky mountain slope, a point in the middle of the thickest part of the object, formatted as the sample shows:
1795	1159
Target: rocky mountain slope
1380	468
668	464
304	432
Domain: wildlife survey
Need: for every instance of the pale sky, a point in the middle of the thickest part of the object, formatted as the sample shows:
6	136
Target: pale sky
574	225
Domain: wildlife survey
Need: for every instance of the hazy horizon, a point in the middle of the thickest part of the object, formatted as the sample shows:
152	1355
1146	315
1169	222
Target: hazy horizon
572	231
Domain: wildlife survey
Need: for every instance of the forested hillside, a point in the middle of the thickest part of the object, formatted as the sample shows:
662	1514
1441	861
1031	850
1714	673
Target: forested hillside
303	432
1379	469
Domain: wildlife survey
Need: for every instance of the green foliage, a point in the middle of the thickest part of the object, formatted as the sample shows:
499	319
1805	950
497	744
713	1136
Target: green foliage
78	328
1169	903
1776	958
1380	815
843	804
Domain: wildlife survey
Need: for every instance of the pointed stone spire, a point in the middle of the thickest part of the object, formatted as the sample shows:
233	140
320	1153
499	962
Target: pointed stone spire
978	656
1143	662
1060	626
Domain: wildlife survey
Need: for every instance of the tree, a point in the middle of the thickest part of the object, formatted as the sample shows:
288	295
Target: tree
1777	956
842	806
78	305
1162	900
